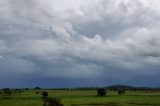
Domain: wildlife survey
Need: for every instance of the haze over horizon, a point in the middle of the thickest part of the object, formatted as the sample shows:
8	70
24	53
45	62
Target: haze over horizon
70	43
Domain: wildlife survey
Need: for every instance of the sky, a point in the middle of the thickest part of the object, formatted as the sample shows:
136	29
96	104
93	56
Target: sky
79	43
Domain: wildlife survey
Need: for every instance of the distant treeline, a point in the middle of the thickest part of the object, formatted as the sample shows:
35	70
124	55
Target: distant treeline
113	87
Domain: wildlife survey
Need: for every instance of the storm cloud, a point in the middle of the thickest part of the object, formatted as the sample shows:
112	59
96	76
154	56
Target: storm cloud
100	43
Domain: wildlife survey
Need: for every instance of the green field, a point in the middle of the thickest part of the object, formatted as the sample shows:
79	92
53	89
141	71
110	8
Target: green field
84	98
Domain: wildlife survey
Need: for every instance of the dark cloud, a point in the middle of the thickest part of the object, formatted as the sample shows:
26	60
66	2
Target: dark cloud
106	42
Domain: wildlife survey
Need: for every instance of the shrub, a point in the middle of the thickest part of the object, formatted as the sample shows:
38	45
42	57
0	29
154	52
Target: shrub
121	91
17	91
101	92
26	89
7	91
37	92
44	94
52	102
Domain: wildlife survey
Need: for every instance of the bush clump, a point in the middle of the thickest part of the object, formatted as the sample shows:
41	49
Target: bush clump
52	102
121	91
44	94
7	91
101	92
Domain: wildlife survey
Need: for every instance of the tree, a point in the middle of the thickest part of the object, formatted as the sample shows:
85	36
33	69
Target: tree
50	101
101	92
7	91
37	88
44	94
121	91
26	89
17	91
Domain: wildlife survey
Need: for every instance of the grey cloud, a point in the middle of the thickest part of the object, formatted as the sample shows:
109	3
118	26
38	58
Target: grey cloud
109	18
124	41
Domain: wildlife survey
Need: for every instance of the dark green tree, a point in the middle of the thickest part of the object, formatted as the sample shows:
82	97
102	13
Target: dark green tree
7	91
44	94
121	91
101	92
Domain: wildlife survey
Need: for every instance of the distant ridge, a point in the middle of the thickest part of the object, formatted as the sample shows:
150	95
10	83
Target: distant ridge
127	87
120	87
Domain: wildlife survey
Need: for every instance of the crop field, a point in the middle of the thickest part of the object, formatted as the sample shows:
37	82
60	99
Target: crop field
83	98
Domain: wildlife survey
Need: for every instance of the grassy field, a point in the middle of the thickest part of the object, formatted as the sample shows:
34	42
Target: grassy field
84	98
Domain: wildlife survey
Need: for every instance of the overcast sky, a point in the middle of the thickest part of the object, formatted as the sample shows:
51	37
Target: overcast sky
69	43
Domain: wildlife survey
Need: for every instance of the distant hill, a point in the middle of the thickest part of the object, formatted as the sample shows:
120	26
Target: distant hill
115	87
127	87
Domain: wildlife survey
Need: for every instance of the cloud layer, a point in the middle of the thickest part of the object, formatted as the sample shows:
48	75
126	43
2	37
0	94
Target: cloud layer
102	42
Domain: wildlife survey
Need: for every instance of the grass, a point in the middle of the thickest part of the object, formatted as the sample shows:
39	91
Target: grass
84	98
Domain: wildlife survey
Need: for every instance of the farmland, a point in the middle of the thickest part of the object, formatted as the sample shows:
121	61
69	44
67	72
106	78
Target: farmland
83	98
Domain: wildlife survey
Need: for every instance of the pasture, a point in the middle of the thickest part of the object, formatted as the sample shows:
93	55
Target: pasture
83	98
